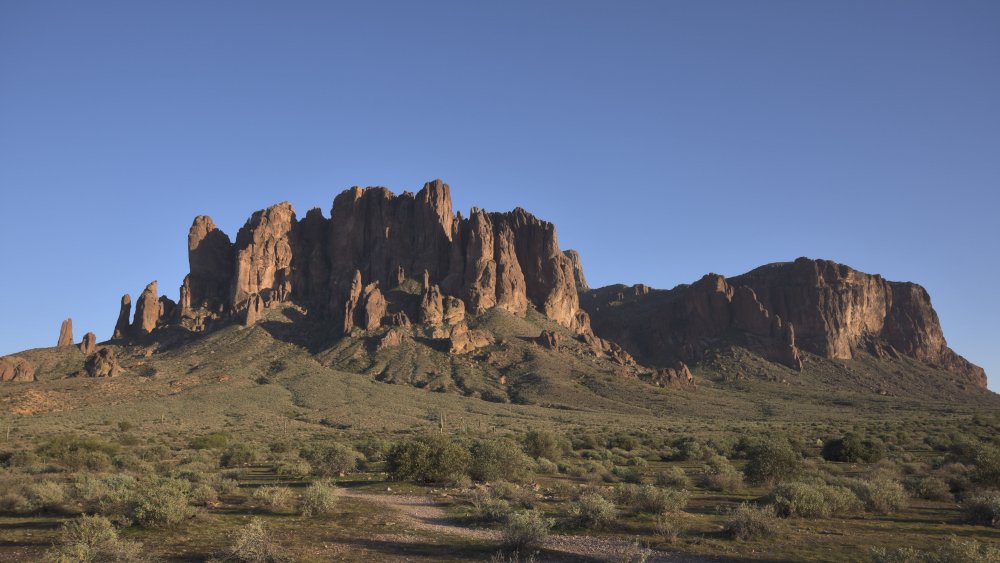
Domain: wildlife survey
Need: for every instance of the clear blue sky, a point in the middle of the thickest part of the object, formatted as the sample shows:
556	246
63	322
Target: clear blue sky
664	139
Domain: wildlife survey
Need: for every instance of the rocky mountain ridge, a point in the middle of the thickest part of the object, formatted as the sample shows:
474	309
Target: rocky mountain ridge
406	269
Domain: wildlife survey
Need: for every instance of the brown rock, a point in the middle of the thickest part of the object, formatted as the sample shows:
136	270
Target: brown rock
147	311
103	363
264	256
394	337
253	310
352	302
65	333
13	368
464	340
454	311
400	319
578	277
89	344
678	376
432	305
211	258
122	327
549	339
373	308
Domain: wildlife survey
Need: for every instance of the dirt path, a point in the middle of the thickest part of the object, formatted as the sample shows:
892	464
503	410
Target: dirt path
424	513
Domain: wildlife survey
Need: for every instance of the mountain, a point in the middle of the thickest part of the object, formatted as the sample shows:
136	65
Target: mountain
402	289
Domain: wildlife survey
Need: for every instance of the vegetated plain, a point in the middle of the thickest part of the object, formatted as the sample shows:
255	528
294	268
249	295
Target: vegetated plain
245	445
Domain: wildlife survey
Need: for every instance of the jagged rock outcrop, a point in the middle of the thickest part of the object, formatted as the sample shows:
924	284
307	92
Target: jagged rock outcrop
373	307
578	278
253	310
392	338
264	257
147	310
122	327
351	303
103	363
211	258
65	333
89	344
678	376
549	339
464	340
13	368
819	306
454	311
432	306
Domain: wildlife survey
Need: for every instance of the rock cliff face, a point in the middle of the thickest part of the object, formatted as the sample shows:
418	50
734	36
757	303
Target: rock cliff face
13	368
818	306
65	333
578	277
147	311
122	327
510	261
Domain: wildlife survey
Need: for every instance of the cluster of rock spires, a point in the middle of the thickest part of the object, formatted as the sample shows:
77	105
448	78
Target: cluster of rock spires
342	270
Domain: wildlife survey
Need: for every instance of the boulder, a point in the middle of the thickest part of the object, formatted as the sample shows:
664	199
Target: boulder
549	339
13	368
464	340
103	363
89	344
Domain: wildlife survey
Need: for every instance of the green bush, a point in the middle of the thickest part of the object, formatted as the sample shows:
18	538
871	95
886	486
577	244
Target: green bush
432	458
160	502
983	509
545	444
720	475
673	477
770	461
927	487
253	543
46	496
273	499
955	551
880	495
524	531
489	508
853	448
332	459
748	522
213	441
499	458
240	454
987	463
92	539
593	511
805	500
318	499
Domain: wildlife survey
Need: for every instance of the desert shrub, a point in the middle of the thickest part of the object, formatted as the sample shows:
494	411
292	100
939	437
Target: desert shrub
298	468
652	499
499	458
720	475
226	485
253	543
374	449
747	522
628	474
521	496
432	458
489	508
46	496
669	527
927	487
92	539
546	467
332	459
240	454
64	448
879	495
954	551
14	502
673	477
853	448
593	511
806	500
545	444
987	466
524	531
213	441
273	499
630	552
160	502
626	442
687	448
318	499
983	509
770	461
203	494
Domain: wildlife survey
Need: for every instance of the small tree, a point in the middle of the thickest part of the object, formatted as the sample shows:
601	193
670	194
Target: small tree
499	458
771	461
853	448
